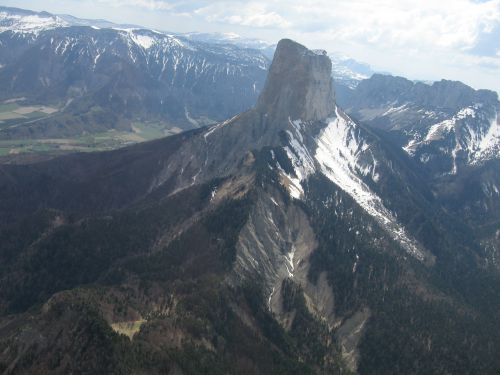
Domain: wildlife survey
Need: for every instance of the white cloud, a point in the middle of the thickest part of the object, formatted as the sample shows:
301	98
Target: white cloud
401	23
443	23
147	4
254	14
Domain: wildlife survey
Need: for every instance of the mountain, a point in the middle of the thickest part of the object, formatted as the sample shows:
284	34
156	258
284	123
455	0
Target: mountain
94	79
289	239
452	132
446	125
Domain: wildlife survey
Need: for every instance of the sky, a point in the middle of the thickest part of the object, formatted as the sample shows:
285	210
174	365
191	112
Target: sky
417	39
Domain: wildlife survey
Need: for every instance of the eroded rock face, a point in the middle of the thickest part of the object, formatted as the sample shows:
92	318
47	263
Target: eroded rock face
349	335
275	244
298	85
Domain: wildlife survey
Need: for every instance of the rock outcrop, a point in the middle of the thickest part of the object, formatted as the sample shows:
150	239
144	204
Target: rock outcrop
298	85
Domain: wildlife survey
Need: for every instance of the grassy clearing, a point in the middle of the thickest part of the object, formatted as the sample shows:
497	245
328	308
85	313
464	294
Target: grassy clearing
149	131
128	328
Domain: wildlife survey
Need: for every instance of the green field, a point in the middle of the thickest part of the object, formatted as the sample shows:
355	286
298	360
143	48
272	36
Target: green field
108	140
14	114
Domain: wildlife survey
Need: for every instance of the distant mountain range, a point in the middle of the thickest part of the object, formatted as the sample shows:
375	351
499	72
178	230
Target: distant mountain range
96	76
109	76
345	70
445	126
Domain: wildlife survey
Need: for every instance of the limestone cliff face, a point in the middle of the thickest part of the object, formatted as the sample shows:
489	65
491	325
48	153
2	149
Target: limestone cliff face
298	85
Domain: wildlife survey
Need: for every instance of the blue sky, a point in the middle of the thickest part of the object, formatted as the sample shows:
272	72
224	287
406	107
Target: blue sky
423	39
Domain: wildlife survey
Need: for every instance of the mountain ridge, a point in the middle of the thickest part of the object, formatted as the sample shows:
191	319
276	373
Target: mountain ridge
101	79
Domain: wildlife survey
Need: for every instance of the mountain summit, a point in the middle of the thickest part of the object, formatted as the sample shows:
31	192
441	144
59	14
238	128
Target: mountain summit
298	90
298	85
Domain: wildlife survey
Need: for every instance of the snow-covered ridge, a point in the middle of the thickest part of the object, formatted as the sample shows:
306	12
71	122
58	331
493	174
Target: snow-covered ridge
345	158
151	41
474	136
32	23
339	152
163	54
145	38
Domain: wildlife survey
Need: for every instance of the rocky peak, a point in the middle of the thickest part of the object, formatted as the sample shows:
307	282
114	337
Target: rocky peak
298	85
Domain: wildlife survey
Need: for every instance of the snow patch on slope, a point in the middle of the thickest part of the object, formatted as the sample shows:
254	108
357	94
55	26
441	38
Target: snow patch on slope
143	41
392	110
472	133
438	131
302	161
344	158
338	153
488	146
292	183
290	267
